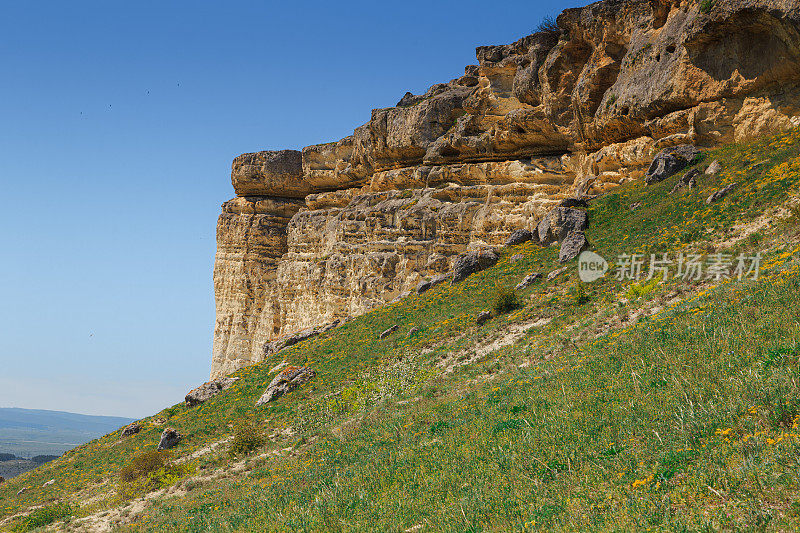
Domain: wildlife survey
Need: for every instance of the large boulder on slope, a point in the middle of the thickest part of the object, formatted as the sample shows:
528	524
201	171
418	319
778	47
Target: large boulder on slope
289	379
572	246
518	237
669	162
559	222
208	390
169	438
474	261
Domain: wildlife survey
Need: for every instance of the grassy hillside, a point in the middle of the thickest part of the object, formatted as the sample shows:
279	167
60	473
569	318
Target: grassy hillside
617	405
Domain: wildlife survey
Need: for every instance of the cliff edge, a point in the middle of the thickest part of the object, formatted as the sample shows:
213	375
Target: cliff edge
575	110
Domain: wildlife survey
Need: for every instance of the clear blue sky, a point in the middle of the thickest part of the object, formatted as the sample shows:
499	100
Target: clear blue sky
118	123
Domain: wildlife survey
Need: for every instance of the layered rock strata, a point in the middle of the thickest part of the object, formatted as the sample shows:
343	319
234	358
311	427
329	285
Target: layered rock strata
338	228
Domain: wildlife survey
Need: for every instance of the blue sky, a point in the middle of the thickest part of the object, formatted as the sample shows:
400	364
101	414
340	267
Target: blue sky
119	121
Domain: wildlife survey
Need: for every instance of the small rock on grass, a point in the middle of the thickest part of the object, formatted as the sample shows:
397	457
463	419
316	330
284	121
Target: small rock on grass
517	257
389	331
483	317
722	193
555	273
413	331
426	285
713	168
688	180
529	280
557	224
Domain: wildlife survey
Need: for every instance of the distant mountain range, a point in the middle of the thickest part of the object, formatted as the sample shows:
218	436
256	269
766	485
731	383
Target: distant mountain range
34	434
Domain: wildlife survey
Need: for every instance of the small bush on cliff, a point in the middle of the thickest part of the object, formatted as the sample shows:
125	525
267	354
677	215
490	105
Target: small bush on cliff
706	6
143	464
505	300
548	25
246	438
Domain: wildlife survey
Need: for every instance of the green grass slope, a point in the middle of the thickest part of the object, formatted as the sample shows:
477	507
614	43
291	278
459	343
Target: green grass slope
616	405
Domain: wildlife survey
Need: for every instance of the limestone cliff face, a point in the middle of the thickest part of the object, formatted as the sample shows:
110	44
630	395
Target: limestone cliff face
341	227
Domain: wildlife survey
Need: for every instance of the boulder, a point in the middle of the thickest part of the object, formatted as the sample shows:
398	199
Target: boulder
722	193
131	429
22	491
687	180
288	380
169	438
713	168
559	222
413	331
290	340
389	331
572	246
208	390
427	285
483	317
529	280
48	483
518	237
669	162
635	206
544	232
517	257
472	262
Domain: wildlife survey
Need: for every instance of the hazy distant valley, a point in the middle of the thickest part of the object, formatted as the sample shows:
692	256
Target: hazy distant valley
30	437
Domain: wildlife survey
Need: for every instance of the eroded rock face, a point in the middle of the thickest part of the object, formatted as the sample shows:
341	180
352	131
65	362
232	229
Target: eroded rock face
339	228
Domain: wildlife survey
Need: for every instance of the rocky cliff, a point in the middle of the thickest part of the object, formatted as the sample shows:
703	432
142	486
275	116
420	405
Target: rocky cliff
573	110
